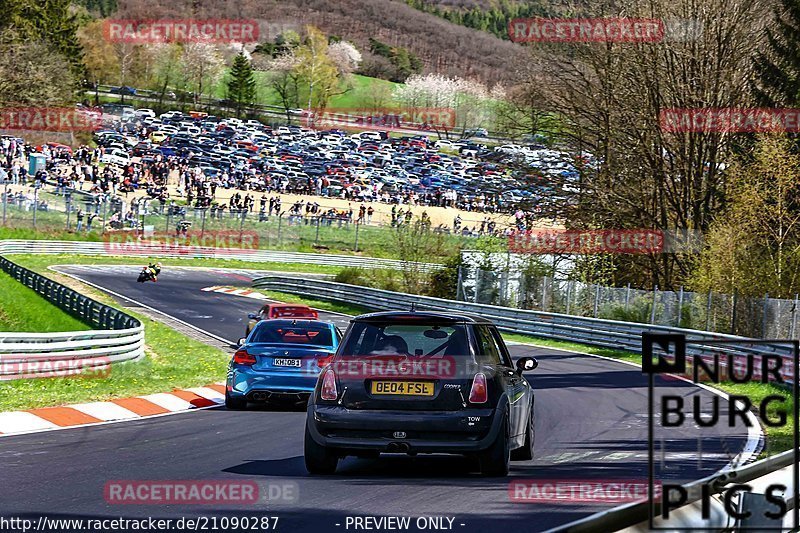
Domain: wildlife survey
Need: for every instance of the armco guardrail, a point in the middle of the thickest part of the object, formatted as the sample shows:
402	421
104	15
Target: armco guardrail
169	251
590	331
119	337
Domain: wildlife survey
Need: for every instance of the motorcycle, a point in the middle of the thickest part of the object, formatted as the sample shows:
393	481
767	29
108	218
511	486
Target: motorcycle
147	274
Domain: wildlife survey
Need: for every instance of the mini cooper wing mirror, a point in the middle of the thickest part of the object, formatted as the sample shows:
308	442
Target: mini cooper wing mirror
526	364
241	341
252	316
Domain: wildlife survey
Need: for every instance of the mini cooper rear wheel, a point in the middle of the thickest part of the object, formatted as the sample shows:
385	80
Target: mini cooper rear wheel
319	459
494	459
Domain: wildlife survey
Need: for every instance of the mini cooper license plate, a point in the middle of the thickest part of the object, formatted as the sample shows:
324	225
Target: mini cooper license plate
282	361
403	388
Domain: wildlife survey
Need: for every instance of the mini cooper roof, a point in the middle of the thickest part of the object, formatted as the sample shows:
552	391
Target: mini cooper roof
421	317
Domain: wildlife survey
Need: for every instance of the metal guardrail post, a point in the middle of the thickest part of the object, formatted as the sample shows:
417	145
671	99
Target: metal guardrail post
627	296
596	299
35	204
5	200
105	212
68	201
653	310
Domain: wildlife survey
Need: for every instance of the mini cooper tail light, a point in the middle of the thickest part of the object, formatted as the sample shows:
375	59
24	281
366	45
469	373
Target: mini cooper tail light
478	392
241	357
328	391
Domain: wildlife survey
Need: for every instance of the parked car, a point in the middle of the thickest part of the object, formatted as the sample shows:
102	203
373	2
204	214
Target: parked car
116	156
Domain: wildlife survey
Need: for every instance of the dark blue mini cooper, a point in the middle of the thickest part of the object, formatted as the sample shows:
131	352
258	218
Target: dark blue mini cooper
421	382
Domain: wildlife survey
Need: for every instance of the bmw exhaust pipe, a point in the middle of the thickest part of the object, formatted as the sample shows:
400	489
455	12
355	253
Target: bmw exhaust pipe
260	396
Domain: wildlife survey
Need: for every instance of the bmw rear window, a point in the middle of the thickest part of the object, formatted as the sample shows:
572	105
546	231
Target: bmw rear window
307	334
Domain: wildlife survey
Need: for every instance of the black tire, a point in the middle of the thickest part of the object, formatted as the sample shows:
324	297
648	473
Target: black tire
525	453
494	459
318	458
234	403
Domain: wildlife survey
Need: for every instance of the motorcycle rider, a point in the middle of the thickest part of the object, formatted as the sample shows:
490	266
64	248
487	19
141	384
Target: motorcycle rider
155	270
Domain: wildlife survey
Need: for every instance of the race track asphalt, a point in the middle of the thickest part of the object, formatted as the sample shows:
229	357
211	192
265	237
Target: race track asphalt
591	424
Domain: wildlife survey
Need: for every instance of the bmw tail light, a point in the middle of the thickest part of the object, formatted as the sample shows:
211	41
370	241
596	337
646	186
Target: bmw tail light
241	357
322	362
478	392
329	391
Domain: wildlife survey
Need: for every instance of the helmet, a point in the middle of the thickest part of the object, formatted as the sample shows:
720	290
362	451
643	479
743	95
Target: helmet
158	264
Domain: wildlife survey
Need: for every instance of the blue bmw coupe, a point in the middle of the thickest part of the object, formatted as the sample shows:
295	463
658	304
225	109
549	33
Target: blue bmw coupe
279	362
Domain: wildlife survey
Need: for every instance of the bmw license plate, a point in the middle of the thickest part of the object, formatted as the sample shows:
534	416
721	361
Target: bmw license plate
403	388
282	361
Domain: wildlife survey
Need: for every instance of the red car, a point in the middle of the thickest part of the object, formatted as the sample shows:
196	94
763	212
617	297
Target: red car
273	311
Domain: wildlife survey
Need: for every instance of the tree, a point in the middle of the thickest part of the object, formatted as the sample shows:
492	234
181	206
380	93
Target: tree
345	56
51	21
99	55
242	83
609	98
459	102
317	73
777	81
753	246
284	81
33	74
202	67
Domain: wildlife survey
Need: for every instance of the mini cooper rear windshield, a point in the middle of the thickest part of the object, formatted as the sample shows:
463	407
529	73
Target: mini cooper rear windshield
316	335
367	339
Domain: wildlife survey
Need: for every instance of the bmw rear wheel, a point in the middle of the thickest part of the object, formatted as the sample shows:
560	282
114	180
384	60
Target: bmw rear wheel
235	403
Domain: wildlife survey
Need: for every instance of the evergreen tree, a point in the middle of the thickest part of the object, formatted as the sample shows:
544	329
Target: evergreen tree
50	21
242	83
778	69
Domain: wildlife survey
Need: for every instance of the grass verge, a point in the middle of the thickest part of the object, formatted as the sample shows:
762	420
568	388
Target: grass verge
39	263
173	361
23	309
